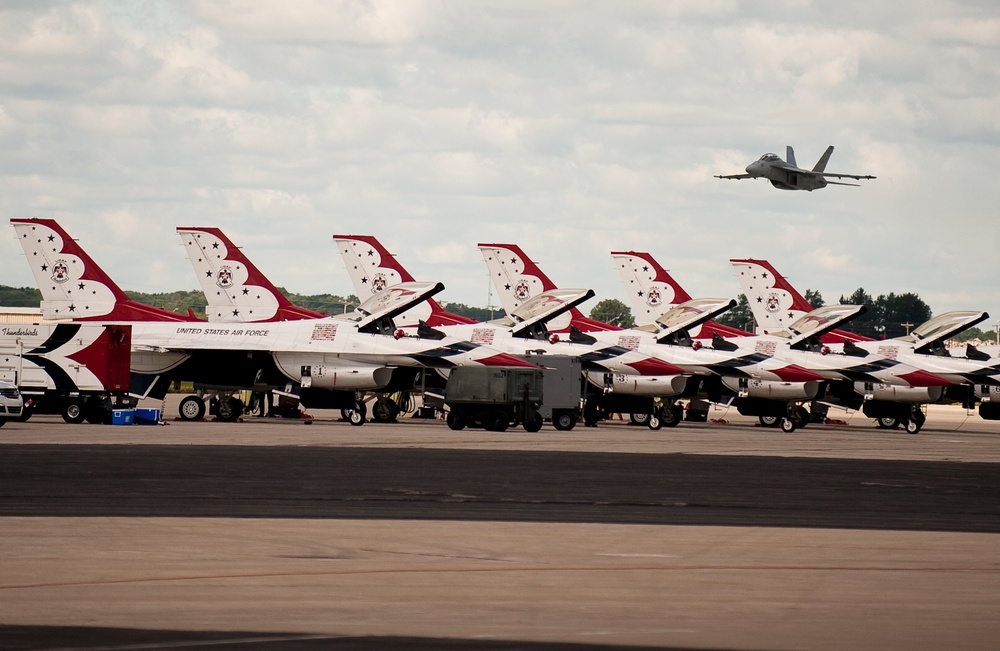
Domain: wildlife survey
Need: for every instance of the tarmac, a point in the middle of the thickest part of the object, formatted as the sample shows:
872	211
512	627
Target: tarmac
313	534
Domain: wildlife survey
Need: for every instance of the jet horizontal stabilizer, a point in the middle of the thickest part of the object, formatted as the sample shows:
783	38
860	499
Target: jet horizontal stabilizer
690	314
820	321
395	300
546	306
942	327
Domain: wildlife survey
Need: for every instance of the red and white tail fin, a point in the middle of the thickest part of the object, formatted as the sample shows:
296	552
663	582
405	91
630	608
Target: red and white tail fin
237	292
373	269
72	285
774	302
517	279
652	291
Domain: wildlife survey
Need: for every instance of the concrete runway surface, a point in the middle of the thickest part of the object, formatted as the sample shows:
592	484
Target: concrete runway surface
275	534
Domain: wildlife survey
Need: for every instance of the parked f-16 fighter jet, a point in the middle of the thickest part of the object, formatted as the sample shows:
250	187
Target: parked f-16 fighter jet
787	175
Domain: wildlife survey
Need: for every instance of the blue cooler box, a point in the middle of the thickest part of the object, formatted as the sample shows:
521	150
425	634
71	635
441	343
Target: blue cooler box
122	416
147	416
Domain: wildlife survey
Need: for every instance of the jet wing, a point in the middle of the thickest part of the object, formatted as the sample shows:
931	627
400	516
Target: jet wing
822	320
691	313
857	177
546	306
942	327
395	300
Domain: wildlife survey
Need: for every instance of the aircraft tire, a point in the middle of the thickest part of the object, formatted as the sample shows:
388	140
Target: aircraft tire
654	422
230	409
533	423
768	421
384	410
356	417
192	408
638	419
912	427
787	425
888	423
800	416
672	416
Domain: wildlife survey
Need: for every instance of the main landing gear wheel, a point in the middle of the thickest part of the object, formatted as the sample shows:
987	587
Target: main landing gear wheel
800	416
768	421
192	408
385	410
638	419
230	409
888	423
672	415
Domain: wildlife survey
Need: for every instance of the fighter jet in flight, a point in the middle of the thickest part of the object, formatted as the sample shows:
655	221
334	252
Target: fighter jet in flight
787	175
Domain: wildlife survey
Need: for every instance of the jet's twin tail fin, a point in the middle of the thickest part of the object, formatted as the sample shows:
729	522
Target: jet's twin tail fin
237	292
73	286
790	156
823	160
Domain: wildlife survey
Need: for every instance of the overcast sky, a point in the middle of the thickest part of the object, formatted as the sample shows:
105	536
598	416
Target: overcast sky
571	128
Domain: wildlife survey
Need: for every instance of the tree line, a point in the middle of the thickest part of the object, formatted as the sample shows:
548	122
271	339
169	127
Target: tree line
182	301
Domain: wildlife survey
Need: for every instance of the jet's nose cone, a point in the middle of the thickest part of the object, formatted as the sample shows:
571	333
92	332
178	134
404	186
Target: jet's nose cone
751	168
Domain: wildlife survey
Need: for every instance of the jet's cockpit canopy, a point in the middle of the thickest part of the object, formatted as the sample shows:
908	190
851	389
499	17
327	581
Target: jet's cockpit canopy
769	158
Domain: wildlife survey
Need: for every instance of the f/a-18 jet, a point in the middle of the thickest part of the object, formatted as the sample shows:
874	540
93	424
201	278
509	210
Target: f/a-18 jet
787	175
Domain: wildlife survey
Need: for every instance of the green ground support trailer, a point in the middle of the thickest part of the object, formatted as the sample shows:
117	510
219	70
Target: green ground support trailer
494	398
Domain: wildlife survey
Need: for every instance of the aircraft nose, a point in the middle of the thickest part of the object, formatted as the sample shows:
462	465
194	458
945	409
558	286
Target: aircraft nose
751	168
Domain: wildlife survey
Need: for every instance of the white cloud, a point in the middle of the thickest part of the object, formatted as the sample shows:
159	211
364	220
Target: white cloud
380	22
570	128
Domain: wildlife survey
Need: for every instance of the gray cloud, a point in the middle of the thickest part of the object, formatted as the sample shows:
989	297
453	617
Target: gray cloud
572	128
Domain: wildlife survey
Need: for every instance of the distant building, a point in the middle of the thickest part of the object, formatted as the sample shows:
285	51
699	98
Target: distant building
21	315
